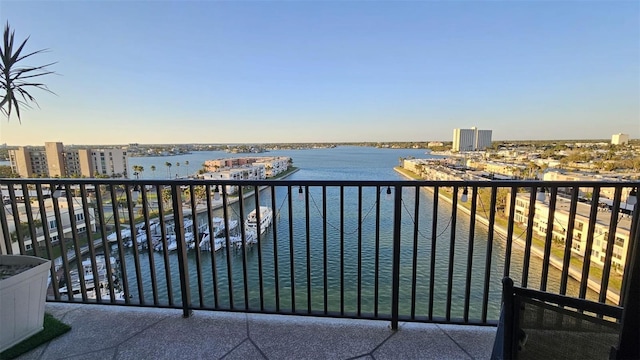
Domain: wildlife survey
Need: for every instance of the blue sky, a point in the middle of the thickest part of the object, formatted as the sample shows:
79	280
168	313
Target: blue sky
316	71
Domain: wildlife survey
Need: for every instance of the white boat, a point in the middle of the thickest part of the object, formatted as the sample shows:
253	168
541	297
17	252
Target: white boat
218	243
73	282
218	234
266	215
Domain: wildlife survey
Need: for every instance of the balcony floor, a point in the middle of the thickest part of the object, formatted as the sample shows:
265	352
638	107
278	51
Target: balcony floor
115	332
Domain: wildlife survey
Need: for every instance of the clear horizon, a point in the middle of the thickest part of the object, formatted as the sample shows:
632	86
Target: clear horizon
324	72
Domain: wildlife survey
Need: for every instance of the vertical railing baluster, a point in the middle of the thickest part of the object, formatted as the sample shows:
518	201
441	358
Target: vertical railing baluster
89	232
510	224
105	242
292	274
76	242
586	262
212	246
568	243
227	248
342	250
472	230
30	223
308	246
452	250
325	262
414	263
47	239
134	242
163	240
196	246
489	253
243	243
274	224
359	281
376	279
152	265
529	239
434	240
553	195
16	219
63	247
395	282
5	227
613	227
178	218
259	245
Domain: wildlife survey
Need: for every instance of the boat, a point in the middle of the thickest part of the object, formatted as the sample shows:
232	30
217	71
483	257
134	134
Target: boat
218	243
251	224
218	234
73	286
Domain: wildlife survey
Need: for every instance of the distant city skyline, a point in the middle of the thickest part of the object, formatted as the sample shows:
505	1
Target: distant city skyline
290	72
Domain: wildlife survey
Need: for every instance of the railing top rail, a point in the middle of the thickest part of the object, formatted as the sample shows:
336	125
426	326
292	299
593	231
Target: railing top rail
288	182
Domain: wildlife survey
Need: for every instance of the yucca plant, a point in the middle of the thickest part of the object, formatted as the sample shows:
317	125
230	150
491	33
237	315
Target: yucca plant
15	79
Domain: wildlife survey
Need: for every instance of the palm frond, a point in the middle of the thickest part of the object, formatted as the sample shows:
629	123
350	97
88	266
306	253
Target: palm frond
15	80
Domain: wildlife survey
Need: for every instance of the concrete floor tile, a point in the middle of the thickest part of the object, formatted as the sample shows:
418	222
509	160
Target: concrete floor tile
420	341
246	351
289	337
95	328
205	335
59	310
475	340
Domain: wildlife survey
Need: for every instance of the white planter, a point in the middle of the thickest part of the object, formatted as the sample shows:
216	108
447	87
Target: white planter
22	298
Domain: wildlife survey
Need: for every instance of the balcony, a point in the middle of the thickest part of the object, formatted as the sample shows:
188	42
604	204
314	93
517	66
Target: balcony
422	256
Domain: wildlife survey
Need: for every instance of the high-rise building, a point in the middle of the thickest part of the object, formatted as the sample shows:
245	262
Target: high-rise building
110	162
619	139
54	161
471	139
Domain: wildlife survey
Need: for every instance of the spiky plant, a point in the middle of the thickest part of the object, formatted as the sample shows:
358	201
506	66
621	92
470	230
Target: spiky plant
16	80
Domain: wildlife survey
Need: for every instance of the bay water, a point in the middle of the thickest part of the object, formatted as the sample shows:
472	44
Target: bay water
288	269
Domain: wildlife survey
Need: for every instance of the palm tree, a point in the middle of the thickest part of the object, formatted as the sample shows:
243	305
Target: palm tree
153	171
14	80
177	171
168	165
186	163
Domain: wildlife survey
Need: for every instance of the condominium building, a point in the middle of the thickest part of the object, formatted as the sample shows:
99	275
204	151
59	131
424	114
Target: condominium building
55	161
600	234
272	166
471	139
619	139
110	162
55	230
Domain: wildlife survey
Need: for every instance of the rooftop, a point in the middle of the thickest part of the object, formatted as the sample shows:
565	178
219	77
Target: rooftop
138	333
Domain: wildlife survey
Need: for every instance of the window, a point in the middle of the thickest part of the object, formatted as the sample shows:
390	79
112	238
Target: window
53	224
79	217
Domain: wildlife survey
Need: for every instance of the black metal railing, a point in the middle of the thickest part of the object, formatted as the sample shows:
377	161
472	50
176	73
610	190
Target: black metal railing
395	251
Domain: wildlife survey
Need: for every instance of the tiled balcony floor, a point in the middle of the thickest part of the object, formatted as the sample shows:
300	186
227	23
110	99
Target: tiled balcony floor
112	332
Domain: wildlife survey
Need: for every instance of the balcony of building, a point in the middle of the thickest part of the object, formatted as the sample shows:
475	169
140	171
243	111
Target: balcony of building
340	269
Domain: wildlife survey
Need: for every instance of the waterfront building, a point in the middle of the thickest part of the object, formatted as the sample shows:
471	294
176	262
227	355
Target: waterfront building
619	139
55	161
471	139
581	226
110	162
65	229
272	166
585	192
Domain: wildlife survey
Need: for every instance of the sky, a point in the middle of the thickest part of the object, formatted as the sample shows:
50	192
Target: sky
327	71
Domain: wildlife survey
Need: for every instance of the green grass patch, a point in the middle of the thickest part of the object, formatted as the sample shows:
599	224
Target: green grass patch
52	329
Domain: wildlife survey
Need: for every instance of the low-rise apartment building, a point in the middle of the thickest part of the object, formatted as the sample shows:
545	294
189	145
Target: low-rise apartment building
56	231
581	226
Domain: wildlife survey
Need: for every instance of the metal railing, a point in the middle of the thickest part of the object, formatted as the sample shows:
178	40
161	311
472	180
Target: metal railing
431	251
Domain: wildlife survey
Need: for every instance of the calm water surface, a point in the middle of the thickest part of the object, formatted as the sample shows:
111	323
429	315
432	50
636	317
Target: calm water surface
346	242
